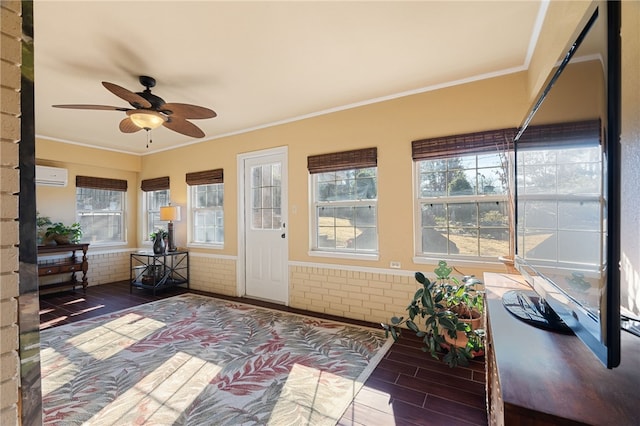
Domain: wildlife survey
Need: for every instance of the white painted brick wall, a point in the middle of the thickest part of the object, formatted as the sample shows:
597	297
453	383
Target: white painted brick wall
361	295
213	274
108	267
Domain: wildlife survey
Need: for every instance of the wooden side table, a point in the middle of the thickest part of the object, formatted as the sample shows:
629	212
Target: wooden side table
70	264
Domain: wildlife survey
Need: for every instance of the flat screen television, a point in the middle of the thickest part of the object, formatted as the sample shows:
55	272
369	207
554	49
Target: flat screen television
567	194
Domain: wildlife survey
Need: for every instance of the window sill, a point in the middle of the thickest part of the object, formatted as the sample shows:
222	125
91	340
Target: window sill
206	246
452	260
344	255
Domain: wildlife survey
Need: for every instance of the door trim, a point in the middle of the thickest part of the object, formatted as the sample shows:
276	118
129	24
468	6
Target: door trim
241	262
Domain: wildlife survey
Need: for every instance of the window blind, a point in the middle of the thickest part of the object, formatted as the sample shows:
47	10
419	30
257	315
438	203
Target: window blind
205	177
101	183
345	160
156	184
468	143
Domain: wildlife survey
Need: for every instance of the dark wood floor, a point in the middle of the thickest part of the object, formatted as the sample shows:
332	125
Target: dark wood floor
407	387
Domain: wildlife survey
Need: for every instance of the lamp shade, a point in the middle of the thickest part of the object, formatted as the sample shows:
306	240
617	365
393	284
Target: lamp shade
170	213
146	119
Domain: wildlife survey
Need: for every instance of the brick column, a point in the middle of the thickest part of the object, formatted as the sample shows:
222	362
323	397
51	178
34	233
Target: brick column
10	61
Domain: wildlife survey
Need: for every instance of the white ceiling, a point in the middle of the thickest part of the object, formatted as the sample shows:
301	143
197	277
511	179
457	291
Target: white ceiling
260	63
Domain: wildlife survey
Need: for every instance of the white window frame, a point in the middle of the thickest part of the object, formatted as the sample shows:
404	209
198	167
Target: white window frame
476	198
193	211
150	213
87	237
316	204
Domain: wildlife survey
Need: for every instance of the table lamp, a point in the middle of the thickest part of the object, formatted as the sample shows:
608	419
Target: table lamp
170	213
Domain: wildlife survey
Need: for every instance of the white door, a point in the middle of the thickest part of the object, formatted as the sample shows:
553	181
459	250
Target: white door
265	230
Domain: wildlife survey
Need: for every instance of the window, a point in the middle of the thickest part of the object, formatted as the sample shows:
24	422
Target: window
206	201
155	200
100	207
156	195
462	195
345	198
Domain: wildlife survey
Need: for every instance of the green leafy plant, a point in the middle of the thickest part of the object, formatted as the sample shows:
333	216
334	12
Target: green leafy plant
441	313
63	234
160	232
42	223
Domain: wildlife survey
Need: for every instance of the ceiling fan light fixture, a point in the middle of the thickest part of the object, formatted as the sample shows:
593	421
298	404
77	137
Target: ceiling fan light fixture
147	120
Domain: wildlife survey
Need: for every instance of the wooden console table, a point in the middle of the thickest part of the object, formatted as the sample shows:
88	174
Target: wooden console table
63	265
538	377
156	271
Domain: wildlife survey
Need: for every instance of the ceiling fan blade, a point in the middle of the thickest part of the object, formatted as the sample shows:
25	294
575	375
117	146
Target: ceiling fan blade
127	126
133	98
184	127
99	107
188	110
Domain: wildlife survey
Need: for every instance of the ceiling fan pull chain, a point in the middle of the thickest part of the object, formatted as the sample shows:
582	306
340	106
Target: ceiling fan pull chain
148	137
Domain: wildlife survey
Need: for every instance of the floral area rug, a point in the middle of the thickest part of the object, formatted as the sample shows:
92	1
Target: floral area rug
196	360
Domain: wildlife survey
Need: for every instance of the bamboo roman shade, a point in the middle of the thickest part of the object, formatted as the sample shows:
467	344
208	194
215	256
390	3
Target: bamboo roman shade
566	134
156	184
205	177
101	183
468	143
345	160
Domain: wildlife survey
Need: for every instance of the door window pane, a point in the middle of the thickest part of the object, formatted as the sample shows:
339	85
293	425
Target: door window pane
266	192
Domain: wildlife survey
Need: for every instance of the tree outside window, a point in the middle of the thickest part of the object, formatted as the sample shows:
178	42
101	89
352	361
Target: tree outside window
346	210
463	206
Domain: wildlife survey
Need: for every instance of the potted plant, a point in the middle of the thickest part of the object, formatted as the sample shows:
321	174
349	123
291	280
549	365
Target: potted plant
63	234
447	314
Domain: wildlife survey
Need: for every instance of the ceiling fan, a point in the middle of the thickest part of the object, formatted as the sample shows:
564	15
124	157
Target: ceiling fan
150	111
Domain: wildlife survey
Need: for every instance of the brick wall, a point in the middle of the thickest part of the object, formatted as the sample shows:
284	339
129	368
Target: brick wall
10	59
215	274
358	294
368	295
108	267
104	267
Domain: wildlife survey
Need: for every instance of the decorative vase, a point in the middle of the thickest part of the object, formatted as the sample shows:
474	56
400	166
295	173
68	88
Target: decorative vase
158	245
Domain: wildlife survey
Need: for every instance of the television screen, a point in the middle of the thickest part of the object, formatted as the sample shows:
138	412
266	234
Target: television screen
566	197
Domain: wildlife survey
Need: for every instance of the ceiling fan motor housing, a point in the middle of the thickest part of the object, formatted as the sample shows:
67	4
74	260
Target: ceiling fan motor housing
155	101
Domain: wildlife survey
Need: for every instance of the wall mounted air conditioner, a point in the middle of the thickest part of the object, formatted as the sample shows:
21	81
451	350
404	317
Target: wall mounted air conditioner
51	176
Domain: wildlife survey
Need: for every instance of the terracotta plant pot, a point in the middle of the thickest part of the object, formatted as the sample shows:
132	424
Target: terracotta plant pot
461	340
